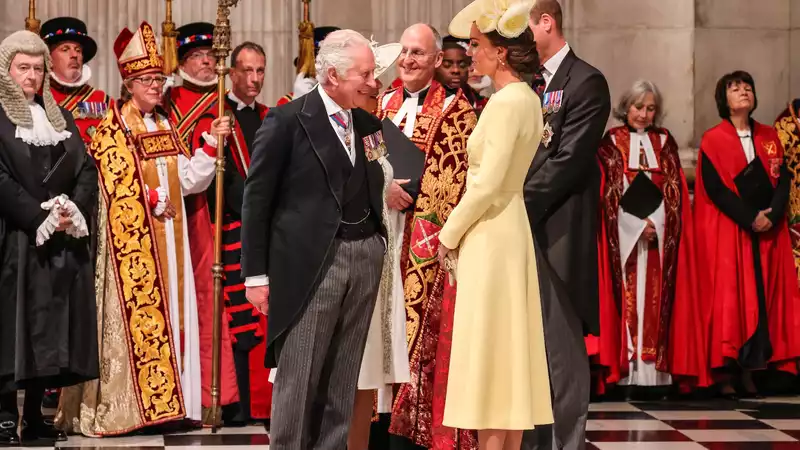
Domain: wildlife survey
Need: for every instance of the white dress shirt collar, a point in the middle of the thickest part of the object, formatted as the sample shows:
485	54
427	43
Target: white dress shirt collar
331	107
240	105
551	65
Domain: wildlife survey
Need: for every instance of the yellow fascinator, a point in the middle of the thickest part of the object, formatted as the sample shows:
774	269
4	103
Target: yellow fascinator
508	17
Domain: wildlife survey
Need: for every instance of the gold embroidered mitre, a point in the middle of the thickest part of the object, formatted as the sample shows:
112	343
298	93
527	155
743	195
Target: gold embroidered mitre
137	53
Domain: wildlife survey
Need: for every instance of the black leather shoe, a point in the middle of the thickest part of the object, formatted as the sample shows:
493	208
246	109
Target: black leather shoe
8	433
751	396
42	430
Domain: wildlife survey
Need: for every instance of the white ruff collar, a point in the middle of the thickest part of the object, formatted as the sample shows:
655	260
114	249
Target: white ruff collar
86	75
202	84
42	133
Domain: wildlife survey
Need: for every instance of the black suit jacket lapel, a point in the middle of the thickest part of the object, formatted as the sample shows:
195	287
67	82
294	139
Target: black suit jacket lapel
364	126
558	83
561	77
324	141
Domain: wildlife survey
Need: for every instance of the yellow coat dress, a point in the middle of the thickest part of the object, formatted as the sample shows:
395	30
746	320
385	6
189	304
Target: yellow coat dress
498	366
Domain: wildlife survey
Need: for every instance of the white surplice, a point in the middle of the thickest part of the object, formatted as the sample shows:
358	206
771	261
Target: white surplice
195	175
641	373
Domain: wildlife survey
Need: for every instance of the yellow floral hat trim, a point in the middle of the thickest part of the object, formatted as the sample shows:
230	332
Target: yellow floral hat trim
508	17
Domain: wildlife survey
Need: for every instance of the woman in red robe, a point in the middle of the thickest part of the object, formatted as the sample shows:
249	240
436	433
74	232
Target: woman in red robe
748	285
649	317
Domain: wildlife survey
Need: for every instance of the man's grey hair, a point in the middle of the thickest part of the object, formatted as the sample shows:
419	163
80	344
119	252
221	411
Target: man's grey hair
437	37
334	53
636	94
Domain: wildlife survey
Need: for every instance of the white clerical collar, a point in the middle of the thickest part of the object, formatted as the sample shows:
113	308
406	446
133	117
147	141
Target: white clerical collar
240	105
86	75
331	107
552	64
416	94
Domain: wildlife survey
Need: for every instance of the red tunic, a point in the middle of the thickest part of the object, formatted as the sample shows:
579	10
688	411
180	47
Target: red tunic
87	105
286	99
672	322
186	106
728	288
247	327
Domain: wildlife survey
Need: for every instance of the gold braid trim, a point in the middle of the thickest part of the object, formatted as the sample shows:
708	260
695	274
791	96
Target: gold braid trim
788	128
138	274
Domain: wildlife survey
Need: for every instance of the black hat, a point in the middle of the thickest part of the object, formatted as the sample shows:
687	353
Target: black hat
60	29
320	33
454	42
194	35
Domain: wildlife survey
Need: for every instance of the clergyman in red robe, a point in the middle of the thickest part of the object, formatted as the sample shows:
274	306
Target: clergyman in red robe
748	285
649	312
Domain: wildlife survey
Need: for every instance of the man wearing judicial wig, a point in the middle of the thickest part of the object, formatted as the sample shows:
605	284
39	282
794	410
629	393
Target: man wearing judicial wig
145	173
48	189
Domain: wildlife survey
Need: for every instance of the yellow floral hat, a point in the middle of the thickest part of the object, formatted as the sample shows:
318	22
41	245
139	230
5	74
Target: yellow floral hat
508	17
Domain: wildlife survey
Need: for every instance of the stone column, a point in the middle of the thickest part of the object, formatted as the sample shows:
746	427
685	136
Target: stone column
745	35
630	40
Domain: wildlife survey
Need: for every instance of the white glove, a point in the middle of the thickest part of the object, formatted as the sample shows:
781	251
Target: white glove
161	206
48	227
79	228
57	207
303	85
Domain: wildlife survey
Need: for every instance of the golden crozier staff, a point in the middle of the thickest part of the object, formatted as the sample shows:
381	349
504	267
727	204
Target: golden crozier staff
222	46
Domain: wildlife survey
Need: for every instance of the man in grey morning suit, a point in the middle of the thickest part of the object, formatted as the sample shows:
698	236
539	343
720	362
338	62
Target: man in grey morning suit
312	244
561	194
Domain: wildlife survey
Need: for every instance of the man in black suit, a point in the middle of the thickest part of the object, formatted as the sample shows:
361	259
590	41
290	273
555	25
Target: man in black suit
313	243
561	193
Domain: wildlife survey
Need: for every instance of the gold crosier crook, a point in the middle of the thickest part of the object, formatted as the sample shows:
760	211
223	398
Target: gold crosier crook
222	47
31	23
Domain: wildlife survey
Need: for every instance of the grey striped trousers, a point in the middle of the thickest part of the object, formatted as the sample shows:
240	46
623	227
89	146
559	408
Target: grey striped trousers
320	357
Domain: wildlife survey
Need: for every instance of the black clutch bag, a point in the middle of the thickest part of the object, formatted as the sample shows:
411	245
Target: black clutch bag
754	185
642	198
407	160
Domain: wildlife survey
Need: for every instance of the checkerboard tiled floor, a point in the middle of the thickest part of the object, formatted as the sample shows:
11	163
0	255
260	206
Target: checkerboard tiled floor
669	425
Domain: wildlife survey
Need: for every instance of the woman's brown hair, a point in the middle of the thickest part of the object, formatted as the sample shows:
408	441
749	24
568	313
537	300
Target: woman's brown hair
521	54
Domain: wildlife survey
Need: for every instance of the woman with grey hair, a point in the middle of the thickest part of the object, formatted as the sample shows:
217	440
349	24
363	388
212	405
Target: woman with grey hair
48	188
649	324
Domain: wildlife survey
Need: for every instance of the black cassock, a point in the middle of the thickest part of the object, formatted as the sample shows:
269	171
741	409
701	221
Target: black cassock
48	319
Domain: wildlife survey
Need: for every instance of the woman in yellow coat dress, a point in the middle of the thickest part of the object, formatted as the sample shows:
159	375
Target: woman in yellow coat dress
498	381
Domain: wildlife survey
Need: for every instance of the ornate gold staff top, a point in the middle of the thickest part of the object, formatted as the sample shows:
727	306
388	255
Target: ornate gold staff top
305	60
222	46
31	23
169	42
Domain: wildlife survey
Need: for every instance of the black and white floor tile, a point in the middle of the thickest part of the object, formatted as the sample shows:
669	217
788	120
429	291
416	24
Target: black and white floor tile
773	424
